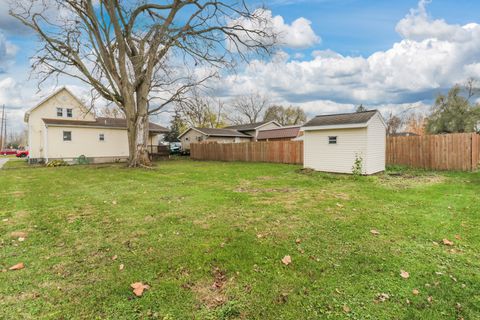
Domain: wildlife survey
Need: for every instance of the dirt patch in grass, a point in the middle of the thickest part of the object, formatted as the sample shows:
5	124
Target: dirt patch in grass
264	190
406	181
211	293
16	194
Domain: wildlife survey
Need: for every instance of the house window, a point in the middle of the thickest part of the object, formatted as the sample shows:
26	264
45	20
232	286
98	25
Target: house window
101	137
200	138
59	112
186	139
67	136
69	113
332	140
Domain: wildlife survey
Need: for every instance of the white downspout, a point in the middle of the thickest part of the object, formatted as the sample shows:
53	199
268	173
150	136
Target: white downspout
29	138
45	147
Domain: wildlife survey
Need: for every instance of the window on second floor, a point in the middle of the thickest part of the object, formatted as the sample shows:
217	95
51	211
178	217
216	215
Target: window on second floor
101	137
59	112
67	135
69	113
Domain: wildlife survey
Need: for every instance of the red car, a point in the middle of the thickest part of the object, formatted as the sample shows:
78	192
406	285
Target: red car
6	152
22	153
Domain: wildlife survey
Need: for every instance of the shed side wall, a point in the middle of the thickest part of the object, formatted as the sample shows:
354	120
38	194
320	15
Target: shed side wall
322	156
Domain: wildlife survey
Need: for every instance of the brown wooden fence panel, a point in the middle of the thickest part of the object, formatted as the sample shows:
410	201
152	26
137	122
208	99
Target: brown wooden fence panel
459	151
271	151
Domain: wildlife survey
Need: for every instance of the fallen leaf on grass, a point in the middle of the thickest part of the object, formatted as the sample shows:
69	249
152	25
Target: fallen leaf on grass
404	274
346	309
21	239
382	297
374	232
114	202
18	266
415	292
18	234
121	267
287	260
138	288
339	205
458	237
447	242
430	299
114	257
298	241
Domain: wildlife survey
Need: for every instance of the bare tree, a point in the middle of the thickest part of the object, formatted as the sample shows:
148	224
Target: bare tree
247	108
201	111
112	111
137	54
285	115
394	124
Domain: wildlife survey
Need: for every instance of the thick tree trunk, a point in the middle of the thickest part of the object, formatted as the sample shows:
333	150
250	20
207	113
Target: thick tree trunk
137	141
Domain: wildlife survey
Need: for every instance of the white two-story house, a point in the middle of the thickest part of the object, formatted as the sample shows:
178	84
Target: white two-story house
62	127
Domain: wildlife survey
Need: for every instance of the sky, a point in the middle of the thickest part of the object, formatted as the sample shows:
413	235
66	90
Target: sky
333	55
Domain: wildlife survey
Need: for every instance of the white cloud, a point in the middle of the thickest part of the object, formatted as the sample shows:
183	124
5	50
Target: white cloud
417	25
298	35
433	56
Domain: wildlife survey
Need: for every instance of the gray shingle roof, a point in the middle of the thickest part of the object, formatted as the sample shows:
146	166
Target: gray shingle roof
288	132
102	123
342	118
222	132
246	127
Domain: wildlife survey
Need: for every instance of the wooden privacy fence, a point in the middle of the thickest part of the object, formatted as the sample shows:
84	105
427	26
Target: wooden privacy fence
458	151
271	151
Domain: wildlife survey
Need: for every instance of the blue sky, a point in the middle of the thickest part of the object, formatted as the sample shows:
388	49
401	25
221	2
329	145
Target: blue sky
361	27
389	55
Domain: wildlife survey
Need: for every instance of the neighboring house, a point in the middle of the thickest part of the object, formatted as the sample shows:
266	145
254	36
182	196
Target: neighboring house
62	127
195	135
279	134
252	129
333	142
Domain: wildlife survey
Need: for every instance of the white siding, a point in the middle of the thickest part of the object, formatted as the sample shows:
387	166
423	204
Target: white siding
322	156
48	109
85	141
376	134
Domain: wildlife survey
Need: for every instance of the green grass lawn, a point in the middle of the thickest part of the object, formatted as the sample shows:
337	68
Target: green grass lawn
209	237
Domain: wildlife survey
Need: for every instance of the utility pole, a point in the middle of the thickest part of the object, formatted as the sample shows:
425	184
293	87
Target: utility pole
2	121
5	130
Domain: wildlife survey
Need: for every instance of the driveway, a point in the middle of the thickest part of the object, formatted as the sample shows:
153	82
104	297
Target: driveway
2	162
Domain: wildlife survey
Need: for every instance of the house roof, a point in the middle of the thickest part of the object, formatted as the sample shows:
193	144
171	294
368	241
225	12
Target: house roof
114	123
250	126
216	132
278	133
341	119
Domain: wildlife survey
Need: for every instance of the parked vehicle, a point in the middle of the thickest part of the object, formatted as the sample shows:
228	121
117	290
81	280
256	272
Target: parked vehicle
6	152
175	147
22	153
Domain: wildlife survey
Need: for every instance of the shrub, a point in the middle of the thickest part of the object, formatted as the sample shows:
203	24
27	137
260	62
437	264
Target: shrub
57	163
357	168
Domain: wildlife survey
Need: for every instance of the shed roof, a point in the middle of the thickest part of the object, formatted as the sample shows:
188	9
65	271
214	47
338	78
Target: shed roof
114	123
279	133
341	119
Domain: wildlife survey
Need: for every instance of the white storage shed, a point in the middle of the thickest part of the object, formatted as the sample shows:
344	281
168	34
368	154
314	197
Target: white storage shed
332	143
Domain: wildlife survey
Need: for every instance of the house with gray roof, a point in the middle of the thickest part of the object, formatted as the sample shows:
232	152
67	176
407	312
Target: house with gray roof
196	135
252	129
231	134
